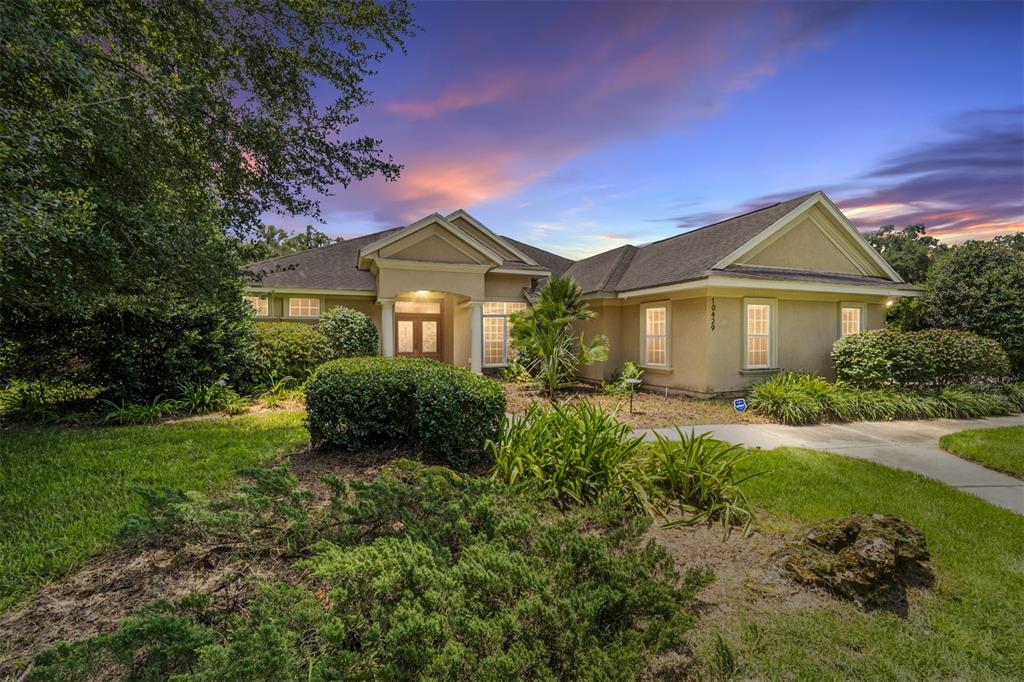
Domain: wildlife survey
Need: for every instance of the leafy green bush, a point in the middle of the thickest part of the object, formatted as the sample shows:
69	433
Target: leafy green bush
581	454
515	372
933	357
140	413
797	398
212	397
426	575
617	385
349	332
137	354
437	408
977	287
43	402
287	349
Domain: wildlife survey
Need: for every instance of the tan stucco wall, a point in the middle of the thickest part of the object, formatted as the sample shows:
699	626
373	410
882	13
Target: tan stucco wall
804	247
497	285
393	282
432	249
705	361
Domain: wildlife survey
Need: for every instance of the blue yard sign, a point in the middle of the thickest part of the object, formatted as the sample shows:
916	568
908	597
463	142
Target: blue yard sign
740	405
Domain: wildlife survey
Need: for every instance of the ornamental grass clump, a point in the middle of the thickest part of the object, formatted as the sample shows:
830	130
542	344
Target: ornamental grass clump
796	398
577	453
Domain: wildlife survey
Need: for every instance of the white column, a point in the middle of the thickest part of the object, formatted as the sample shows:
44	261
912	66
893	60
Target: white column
387	326
476	336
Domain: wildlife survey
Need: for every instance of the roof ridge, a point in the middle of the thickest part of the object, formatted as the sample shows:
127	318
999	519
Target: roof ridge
621	265
738	215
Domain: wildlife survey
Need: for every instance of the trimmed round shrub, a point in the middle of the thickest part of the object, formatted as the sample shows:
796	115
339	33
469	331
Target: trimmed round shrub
286	349
349	332
933	357
439	409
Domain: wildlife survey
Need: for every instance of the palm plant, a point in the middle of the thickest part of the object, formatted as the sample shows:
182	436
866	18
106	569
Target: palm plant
543	334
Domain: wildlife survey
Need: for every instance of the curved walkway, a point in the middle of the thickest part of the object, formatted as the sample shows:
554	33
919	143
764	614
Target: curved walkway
911	445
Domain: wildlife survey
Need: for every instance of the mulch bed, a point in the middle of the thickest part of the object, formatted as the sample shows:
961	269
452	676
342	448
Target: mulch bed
650	409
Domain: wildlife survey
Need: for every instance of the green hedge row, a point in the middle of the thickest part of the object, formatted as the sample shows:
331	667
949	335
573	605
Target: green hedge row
934	357
796	398
284	349
296	349
440	409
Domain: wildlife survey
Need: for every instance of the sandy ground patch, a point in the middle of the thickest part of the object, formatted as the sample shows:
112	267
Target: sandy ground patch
650	409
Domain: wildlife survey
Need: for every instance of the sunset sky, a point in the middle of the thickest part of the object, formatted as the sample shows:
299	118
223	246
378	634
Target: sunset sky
580	127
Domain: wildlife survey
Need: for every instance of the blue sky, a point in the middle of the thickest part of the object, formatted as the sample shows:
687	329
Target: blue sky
580	127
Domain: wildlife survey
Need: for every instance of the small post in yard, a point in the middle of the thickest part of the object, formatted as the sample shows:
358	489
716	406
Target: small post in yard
632	383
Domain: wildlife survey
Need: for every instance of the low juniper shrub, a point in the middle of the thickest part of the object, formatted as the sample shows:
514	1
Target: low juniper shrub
421	574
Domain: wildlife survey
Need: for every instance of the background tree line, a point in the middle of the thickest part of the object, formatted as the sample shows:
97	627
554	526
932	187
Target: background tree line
975	286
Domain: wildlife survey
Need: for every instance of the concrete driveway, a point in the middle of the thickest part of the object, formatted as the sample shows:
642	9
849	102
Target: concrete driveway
912	445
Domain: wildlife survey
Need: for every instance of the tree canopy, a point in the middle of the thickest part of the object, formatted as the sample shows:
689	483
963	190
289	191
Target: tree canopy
270	241
979	287
135	135
908	250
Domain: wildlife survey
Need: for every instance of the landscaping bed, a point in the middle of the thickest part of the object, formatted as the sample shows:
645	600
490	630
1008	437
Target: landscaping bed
650	409
1000	449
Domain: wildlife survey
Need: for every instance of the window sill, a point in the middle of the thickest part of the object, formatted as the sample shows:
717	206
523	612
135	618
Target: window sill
760	370
656	369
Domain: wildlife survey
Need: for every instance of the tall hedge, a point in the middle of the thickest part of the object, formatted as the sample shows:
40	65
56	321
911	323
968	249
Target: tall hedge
349	332
933	357
979	287
283	349
439	409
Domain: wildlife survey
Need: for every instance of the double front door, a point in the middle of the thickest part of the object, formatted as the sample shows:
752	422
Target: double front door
418	335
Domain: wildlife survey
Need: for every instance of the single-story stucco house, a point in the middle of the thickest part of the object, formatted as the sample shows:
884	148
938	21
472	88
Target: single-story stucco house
706	312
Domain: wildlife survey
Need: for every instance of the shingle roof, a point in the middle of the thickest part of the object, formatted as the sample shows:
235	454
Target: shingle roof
334	266
680	258
327	267
807	276
551	261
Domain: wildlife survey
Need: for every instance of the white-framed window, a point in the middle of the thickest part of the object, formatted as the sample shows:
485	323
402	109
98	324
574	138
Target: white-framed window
759	333
418	307
261	304
851	318
654	329
496	331
303	307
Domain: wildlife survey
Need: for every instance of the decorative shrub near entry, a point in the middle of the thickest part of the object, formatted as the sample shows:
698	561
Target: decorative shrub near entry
283	349
437	408
349	332
933	357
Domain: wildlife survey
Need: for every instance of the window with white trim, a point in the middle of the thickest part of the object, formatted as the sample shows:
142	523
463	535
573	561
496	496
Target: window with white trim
654	325
261	304
303	307
758	323
851	319
496	328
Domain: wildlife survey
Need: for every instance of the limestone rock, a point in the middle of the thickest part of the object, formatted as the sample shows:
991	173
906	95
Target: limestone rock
863	558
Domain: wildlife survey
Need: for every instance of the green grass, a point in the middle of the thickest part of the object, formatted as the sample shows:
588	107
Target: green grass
64	493
999	449
969	628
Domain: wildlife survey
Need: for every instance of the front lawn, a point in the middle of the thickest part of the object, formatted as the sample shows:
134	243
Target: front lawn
999	449
968	627
65	492
650	409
